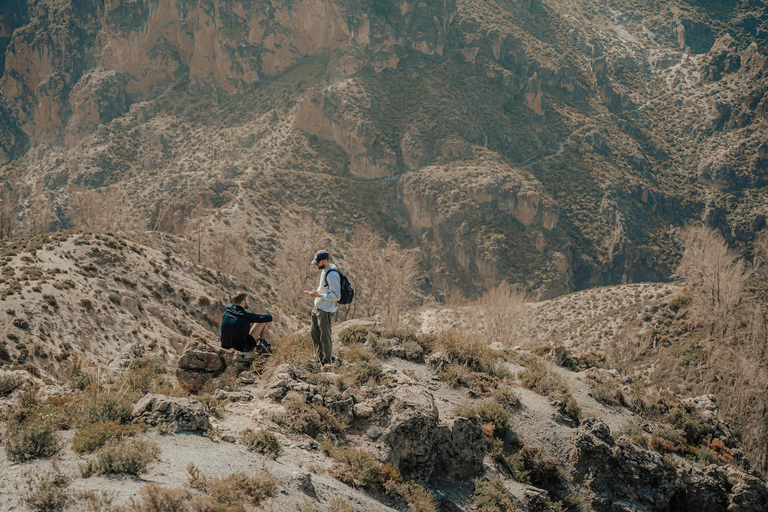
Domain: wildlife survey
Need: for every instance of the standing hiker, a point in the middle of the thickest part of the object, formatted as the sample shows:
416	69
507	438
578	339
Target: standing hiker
236	330
327	298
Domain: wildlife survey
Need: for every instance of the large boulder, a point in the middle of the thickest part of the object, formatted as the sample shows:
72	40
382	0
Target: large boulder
748	493
412	431
620	471
177	414
460	449
203	360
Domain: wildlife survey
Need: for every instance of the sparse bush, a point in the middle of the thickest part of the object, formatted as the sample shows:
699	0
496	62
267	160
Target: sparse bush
607	393
540	377
47	492
507	397
28	442
262	441
354	334
460	376
310	419
114	298
339	504
20	323
469	351
9	383
492	413
131	457
161	499
531	466
493	496
109	406
96	435
359	469
86	303
691	427
236	488
142	372
294	349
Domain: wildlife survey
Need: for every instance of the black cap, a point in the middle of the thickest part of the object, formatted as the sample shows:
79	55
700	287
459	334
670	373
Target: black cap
320	256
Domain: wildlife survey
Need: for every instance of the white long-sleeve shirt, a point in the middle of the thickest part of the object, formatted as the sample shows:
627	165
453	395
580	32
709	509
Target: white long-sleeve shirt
329	295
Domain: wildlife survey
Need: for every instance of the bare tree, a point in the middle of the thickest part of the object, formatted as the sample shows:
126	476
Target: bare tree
9	200
503	314
106	209
84	208
716	274
402	280
386	277
40	214
301	237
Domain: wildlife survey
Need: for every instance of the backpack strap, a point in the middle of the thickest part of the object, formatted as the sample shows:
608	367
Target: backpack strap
326	275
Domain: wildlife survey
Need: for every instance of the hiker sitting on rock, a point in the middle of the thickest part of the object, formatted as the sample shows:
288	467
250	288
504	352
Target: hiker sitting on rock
327	298
236	324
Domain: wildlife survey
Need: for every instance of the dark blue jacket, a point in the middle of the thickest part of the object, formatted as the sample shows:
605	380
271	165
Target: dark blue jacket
235	326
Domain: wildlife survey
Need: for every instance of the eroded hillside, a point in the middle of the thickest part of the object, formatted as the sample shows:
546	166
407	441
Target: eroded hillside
554	144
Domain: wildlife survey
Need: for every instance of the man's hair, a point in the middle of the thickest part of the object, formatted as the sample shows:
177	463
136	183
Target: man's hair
239	297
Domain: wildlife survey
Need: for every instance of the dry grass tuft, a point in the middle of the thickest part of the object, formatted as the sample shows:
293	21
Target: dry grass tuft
262	441
234	489
131	457
310	419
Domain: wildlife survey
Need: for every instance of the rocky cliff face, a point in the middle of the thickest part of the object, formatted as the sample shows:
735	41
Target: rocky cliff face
569	138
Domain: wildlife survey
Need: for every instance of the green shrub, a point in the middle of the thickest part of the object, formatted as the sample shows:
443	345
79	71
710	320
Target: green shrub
692	428
28	442
310	419
114	298
131	457
263	442
490	413
9	383
94	436
109	406
354	334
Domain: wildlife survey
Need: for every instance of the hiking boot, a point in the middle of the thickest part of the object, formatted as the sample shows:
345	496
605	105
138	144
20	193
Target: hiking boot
264	342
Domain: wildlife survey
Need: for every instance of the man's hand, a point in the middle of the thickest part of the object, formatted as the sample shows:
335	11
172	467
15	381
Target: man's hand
312	293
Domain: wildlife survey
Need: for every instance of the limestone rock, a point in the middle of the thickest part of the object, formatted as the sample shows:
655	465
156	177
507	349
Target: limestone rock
412	430
203	360
179	414
620	469
460	449
437	361
123	360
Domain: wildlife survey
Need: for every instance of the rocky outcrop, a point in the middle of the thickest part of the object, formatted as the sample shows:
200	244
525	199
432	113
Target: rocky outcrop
621	475
620	472
202	361
412	431
176	414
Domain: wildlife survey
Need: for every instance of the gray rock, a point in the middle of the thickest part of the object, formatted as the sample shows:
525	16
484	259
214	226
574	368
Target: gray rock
373	432
228	439
460	449
302	480
179	414
362	410
412	430
437	361
233	396
125	357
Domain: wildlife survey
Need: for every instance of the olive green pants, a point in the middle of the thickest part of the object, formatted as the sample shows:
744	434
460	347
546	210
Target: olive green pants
321	334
